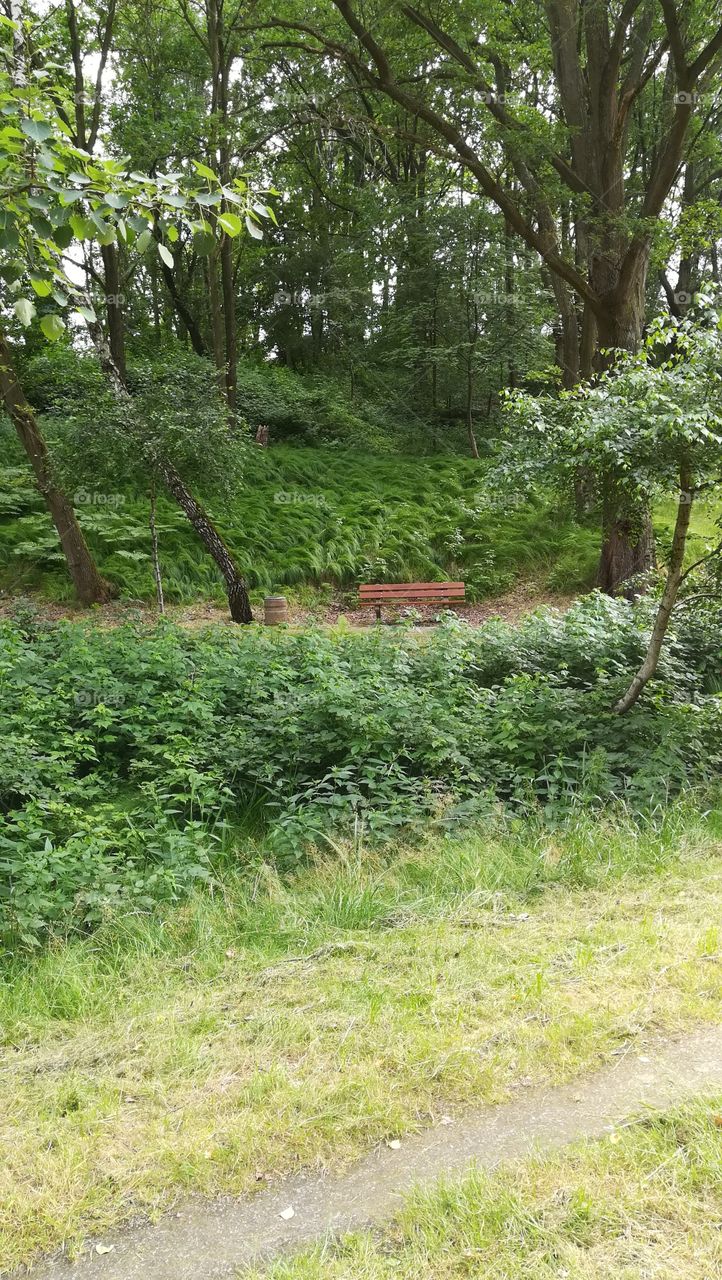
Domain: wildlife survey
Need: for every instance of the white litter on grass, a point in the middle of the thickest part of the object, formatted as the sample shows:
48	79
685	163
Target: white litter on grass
104	1248
287	1213
394	1144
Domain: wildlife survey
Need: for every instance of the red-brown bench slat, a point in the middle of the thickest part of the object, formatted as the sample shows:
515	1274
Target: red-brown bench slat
412	588
380	593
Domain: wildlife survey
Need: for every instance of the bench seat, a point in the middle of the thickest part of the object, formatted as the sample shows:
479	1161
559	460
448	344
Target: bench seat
377	594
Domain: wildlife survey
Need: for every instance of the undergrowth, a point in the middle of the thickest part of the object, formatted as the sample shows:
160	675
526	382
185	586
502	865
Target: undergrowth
304	516
131	759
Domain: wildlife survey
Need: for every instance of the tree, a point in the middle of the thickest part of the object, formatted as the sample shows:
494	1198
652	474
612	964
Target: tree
551	116
655	418
54	193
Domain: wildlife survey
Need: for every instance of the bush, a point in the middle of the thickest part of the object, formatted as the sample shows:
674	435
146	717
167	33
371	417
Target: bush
311	735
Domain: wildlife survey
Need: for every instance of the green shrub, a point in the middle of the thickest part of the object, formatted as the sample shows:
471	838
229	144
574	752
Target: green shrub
310	736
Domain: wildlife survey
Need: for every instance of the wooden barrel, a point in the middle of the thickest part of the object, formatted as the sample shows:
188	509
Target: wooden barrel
275	610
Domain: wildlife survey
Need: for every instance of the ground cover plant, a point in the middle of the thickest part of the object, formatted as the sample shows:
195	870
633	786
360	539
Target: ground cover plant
296	1019
130	756
303	517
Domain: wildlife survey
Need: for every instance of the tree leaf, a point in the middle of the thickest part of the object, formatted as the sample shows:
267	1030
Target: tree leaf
204	171
230	222
24	310
42	286
166	255
53	327
35	129
253	228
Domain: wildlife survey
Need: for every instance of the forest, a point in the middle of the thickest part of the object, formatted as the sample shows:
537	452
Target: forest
360	638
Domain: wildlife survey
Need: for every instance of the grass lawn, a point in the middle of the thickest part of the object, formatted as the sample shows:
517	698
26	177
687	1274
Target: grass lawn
285	1023
645	1202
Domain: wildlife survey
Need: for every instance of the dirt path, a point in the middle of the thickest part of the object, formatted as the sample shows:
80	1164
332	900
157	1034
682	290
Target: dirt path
511	607
204	1240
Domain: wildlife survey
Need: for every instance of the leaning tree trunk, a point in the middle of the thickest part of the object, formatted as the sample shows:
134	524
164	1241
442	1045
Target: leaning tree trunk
669	595
90	586
238	599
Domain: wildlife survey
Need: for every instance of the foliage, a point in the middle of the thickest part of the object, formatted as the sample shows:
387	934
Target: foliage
300	516
652	415
315	734
54	193
176	402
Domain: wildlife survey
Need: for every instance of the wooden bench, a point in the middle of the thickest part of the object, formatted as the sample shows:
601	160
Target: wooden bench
378	594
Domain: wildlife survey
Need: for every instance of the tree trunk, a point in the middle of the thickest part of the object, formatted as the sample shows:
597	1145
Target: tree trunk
627	534
669	595
238	599
470	412
90	587
229	324
154	551
114	304
627	542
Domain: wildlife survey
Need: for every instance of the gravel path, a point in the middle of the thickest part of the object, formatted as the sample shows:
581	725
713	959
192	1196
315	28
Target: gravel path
203	1240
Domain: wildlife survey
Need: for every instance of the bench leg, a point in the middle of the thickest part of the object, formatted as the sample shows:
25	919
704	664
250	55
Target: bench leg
378	612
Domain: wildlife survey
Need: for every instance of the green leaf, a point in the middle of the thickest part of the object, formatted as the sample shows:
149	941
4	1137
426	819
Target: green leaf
253	229
203	243
42	286
53	327
204	171
63	236
35	129
24	310
144	240
165	255
82	227
231	224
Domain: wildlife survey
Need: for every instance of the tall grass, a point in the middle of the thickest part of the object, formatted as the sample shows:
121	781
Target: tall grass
257	910
314	516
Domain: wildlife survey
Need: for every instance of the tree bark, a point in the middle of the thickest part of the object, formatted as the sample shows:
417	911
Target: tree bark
154	551
238	599
114	304
90	586
627	546
627	534
669	595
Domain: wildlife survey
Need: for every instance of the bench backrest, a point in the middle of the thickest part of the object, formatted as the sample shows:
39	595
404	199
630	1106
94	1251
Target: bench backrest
410	592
